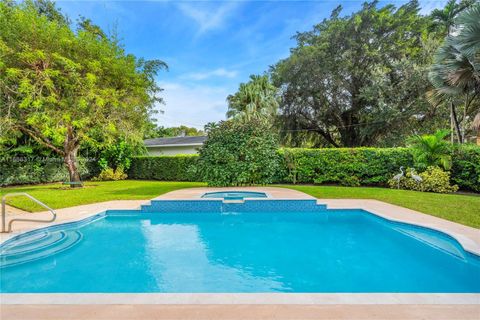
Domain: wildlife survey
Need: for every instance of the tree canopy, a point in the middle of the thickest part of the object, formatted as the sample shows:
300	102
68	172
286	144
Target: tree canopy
65	88
160	132
455	73
360	79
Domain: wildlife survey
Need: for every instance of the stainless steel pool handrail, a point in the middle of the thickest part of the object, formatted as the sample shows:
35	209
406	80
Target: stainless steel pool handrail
4	211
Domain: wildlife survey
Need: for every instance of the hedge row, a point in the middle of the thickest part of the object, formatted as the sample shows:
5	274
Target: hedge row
21	170
364	166
346	166
167	168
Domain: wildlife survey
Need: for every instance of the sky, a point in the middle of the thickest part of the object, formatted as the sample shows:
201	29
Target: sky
210	47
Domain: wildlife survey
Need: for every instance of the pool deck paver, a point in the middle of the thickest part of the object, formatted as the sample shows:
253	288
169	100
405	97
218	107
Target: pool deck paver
241	312
272	192
246	306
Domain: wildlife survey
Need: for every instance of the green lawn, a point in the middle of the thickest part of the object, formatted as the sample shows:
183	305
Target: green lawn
59	196
459	208
464	209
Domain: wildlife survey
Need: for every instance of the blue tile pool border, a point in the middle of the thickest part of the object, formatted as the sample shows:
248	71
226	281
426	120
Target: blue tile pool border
250	205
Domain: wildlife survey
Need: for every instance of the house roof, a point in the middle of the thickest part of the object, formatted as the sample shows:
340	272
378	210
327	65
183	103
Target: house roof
176	141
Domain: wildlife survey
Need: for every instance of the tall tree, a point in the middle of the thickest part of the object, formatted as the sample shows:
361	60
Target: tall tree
455	73
256	99
357	80
444	20
65	88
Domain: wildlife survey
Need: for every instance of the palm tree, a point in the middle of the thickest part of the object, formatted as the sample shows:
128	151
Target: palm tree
256	99
456	69
432	150
445	18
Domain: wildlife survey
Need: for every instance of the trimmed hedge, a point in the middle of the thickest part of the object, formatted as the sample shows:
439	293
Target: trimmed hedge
167	168
346	166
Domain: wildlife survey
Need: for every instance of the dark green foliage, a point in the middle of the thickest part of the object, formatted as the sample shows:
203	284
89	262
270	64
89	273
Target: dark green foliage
238	153
466	167
167	168
364	166
350	167
31	171
358	79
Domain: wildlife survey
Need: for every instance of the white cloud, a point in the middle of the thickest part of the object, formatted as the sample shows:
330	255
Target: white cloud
206	17
192	105
220	72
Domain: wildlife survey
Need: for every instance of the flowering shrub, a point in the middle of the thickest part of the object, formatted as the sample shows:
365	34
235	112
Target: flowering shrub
433	179
110	174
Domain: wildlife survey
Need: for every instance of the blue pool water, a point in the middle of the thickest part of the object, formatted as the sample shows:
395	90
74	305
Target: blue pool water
234	194
280	251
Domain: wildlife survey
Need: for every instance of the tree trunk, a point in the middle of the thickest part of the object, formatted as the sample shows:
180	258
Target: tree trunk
478	137
70	161
451	125
455	122
71	147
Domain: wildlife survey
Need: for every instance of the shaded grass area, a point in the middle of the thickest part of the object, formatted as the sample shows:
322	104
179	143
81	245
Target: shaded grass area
60	196
464	209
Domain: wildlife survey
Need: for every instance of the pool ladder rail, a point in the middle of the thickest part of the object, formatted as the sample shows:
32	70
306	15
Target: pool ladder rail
4	211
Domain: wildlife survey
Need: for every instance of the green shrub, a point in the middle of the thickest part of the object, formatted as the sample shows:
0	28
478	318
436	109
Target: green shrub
117	155
432	150
466	167
165	168
237	153
32	170
434	179
110	174
347	166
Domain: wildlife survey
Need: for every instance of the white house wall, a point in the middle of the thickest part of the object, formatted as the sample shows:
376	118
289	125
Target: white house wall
172	150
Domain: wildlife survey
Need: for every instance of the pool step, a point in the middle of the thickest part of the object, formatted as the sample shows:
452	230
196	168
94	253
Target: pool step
35	245
38	247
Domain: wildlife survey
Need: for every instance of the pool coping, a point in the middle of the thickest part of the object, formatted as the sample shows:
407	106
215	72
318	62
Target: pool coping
384	210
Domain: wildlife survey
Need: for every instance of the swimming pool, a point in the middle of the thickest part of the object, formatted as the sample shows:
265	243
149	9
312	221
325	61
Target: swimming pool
256	246
234	194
